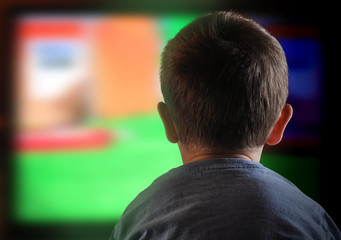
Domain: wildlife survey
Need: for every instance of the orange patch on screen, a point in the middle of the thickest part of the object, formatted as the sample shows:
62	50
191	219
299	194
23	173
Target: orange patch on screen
126	63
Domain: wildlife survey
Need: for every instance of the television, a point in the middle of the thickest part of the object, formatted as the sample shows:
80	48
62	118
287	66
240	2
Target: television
87	134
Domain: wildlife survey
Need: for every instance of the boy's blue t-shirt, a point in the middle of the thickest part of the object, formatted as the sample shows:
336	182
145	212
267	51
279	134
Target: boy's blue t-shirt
224	199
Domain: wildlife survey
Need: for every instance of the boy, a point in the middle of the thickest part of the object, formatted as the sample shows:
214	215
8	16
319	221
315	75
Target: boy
225	84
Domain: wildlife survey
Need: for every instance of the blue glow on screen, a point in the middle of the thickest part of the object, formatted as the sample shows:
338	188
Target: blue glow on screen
305	62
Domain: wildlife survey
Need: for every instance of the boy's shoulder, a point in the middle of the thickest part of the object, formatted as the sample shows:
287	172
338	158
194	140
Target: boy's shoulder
234	184
227	194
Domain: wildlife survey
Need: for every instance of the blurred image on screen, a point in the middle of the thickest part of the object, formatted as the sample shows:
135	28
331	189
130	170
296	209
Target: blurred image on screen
88	137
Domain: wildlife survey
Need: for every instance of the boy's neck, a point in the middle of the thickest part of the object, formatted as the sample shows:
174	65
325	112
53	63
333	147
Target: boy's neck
193	154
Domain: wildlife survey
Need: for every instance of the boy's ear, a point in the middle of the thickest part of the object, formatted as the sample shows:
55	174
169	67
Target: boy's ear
278	130
168	123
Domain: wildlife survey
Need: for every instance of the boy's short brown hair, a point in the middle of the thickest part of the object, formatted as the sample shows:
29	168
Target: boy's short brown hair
225	80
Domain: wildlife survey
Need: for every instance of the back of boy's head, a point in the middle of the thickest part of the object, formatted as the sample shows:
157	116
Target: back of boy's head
225	81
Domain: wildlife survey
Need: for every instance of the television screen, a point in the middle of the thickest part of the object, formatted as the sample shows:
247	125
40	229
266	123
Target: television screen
88	137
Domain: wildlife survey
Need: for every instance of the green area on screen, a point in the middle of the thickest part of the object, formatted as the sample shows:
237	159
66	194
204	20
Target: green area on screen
97	185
